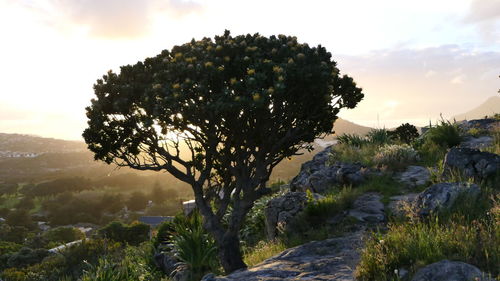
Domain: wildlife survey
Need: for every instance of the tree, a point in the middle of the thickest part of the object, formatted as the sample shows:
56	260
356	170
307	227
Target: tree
405	133
137	201
219	115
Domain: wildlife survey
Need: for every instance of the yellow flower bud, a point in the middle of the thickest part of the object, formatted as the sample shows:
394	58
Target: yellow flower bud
277	69
227	58
220	68
251	71
156	86
256	96
176	86
209	64
178	55
233	81
281	78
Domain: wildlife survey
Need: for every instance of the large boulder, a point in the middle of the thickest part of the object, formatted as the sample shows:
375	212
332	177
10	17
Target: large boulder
441	196
413	176
477	142
446	270
318	176
368	208
482	124
281	210
472	163
331	259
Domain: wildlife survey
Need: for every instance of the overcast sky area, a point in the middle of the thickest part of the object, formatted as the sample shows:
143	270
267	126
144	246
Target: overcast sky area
414	59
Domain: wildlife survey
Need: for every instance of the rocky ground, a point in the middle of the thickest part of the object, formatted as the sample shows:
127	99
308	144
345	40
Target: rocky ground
337	258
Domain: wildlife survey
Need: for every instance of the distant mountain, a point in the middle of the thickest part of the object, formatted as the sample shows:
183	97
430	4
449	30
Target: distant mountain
342	126
487	108
28	144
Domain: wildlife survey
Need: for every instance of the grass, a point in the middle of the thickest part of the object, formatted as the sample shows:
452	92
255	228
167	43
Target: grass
347	153
468	232
262	251
495	147
312	223
385	185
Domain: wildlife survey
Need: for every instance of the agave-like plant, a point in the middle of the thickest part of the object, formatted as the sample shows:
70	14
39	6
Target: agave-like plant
193	246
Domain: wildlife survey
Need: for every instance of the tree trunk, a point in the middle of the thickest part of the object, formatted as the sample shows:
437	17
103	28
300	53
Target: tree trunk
230	254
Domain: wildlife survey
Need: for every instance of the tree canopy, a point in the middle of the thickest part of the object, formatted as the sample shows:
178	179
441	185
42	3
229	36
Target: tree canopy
219	114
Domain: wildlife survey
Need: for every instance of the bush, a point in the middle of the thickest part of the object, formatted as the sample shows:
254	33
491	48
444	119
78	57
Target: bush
379	136
396	156
352	140
254	227
405	133
347	153
61	235
134	265
26	256
192	245
133	234
444	134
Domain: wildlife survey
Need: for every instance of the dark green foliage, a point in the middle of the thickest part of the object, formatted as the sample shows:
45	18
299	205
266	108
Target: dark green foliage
9	247
4	212
379	136
352	140
406	133
19	217
16	234
133	234
61	185
137	201
8	188
191	244
25	257
445	134
239	104
26	203
135	264
63	235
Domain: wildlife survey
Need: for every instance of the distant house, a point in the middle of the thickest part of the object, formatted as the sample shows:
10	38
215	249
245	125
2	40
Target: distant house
155	221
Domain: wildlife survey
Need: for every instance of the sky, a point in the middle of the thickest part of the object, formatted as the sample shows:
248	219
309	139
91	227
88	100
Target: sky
414	59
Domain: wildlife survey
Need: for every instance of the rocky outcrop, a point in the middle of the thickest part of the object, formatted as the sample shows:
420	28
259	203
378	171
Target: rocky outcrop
446	270
413	176
482	124
368	208
281	210
441	196
476	142
318	176
331	259
472	163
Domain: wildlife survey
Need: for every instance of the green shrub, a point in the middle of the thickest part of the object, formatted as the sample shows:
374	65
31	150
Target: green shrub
405	133
132	234
135	264
379	136
61	235
9	247
347	153
193	245
396	156
352	140
311	223
444	134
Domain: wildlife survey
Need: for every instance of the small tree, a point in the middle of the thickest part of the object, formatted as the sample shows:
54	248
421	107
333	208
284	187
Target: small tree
406	133
137	201
219	115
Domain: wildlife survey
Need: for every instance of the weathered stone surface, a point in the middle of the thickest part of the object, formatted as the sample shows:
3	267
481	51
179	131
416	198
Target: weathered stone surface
400	204
331	259
446	270
414	176
281	210
317	176
471	162
368	208
441	196
484	124
477	143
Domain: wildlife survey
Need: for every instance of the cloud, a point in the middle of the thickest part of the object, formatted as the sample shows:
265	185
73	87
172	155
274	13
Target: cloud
483	10
110	18
419	84
485	15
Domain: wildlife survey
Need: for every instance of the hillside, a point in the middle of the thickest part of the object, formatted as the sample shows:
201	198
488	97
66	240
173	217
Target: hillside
487	108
